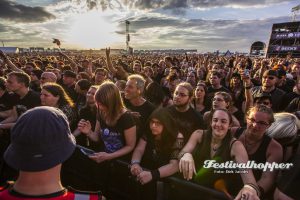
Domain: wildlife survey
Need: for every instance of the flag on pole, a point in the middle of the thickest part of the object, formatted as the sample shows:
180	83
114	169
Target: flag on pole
56	41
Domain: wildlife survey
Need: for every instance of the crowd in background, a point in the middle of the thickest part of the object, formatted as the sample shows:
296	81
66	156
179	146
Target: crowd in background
167	114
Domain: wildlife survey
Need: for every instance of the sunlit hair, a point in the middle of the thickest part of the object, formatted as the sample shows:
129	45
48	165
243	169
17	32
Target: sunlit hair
263	109
140	81
57	90
109	96
188	87
227	97
284	128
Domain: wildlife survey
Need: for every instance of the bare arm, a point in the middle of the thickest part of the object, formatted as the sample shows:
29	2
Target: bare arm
239	153
274	154
169	169
137	155
10	64
73	63
86	128
186	163
109	64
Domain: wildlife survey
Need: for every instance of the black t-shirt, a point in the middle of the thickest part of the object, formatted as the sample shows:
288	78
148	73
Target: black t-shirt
293	106
113	136
30	100
6	101
287	98
276	96
71	92
187	121
145	111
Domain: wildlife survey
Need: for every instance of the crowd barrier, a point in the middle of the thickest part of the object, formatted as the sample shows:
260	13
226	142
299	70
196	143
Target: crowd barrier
117	183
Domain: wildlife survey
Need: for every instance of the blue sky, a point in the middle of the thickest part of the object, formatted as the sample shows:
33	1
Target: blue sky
155	24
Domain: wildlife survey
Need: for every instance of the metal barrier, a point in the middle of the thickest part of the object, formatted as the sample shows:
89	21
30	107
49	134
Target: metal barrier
176	189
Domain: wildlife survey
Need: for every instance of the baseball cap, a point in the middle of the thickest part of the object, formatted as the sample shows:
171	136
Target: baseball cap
40	140
69	73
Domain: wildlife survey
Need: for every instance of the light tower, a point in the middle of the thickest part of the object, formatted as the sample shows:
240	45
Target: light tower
127	35
295	11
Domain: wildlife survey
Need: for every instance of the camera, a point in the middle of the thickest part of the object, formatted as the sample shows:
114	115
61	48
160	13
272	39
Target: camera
86	151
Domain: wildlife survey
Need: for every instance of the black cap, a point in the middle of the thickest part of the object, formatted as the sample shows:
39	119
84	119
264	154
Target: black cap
69	73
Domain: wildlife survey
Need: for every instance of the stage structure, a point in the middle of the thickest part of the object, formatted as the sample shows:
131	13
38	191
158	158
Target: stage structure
258	48
284	40
128	48
285	37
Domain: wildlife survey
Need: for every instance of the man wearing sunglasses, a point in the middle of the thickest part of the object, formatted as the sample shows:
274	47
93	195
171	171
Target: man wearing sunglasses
268	86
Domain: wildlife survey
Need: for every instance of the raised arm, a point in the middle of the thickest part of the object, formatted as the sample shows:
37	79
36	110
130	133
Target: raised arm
10	64
109	64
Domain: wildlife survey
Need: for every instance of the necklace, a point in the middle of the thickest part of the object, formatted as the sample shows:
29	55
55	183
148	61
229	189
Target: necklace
215	147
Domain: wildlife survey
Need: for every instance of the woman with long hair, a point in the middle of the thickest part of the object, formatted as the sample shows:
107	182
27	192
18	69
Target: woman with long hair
199	101
115	127
157	151
54	95
216	146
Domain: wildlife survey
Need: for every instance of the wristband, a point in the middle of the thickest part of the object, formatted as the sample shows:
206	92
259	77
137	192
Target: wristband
253	187
135	162
155	175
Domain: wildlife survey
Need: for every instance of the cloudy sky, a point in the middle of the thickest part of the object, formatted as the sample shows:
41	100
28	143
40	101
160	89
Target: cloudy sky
206	25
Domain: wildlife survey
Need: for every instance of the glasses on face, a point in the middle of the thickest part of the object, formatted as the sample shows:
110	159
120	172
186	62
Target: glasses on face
266	103
259	123
269	77
179	94
156	123
218	99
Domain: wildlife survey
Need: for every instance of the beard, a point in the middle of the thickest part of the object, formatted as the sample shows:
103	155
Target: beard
181	105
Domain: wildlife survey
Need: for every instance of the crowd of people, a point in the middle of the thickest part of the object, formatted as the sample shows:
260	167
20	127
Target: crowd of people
163	114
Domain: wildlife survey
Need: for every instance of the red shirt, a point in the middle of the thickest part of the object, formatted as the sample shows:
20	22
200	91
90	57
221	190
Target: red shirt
9	194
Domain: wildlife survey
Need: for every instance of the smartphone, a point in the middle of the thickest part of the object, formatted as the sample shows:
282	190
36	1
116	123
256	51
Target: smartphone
246	72
86	151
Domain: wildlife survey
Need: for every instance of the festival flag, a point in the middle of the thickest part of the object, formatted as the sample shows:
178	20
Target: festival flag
56	41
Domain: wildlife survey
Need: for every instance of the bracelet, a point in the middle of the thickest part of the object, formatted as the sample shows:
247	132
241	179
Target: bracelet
135	162
181	154
155	175
253	187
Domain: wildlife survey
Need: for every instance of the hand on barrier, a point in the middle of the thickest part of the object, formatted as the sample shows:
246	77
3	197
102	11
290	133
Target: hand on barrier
247	193
187	166
136	169
144	177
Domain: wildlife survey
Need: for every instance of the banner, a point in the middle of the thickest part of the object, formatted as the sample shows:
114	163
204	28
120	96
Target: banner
285	48
285	35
